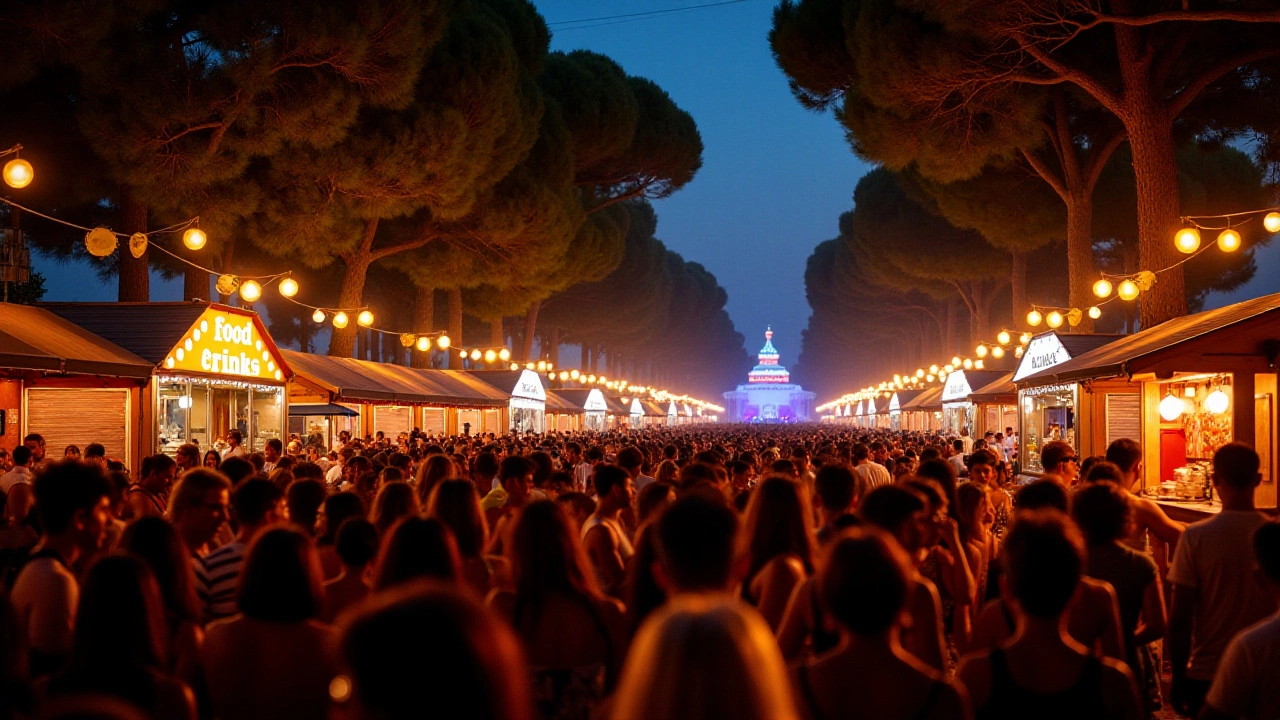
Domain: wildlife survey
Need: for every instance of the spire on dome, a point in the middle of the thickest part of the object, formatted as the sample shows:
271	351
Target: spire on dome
768	370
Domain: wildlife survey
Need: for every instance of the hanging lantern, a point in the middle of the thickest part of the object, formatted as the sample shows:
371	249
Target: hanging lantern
1053	319
490	356
250	291
515	366
1229	240
997	352
1004	338
137	245
227	284
1102	288
920	373
423	343
462	354
574	374
1017	352
1271	221
1217	402
1025	338
504	354
1128	290
564	375
1172	407
288	287
194	238
978	364
365	318
955	360
968	364
1034	318
1187	240
980	351
18	173
476	355
928	378
100	242
318	315
340	320
1095	312
1145	280
933	370
542	366
407	339
442	342
1074	316
948	368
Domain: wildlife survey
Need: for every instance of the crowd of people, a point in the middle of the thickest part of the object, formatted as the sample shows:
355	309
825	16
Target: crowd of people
777	573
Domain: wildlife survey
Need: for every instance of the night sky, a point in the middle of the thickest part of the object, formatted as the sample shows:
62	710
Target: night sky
774	180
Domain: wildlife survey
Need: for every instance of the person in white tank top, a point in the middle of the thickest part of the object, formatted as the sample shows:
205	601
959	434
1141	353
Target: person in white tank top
606	542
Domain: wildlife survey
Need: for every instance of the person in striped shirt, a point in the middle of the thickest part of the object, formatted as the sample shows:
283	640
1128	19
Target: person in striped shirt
257	504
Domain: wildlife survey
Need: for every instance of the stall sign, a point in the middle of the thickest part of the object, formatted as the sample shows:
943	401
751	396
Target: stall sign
957	388
871	406
893	403
224	343
636	407
529	386
595	402
1043	352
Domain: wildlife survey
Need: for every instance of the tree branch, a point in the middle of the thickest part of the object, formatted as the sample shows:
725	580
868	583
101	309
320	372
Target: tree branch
1099	157
1247	16
1075	76
1046	174
1193	88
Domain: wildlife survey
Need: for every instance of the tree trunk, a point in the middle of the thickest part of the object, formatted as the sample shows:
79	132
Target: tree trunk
228	255
455	326
1018	283
955	344
351	294
424	310
1081	271
195	284
135	276
530	327
497	337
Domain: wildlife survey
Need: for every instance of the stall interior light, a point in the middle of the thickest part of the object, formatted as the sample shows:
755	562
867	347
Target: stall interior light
1172	407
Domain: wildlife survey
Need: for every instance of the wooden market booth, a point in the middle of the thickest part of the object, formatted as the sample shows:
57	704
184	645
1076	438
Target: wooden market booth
896	402
997	406
563	414
959	410
593	405
924	412
526	398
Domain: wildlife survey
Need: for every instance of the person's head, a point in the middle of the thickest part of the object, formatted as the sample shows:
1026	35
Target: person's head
71	452
1104	471
257	503
836	487
1060	459
338	507
1126	454
1266	550
776	523
96	453
982	466
704	658
236	469
280	578
484	467
35	443
357	544
898	511
303	499
865	580
22	456
187	457
516	475
467	661
974	511
861	453
1102	511
613	487
546	555
417	548
631	459
1235	470
652	500
72	502
273	450
944	476
1041	494
235	438
198	505
158	473
578	506
155	542
1043	555
395	500
119	624
434	470
455	503
667	472
212	459
696	544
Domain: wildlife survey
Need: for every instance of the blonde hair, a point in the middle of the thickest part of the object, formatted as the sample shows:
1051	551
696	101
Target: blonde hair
704	658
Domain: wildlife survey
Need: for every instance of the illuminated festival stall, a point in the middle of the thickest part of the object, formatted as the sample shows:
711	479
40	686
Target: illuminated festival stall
924	412
527	406
591	404
959	411
563	414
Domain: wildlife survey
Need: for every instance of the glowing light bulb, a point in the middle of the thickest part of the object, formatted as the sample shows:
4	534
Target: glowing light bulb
340	320
542	366
504	354
564	375
1095	312
462	354
194	238
968	364
1025	338
1271	222
250	290
980	351
955	360
1172	407
574	374
288	287
442	342
1187	240
1053	319
1229	240
318	316
1034	318
997	352
977	364
933	370
476	355
18	173
920	373
1004	338
514	366
423	343
1102	288
1128	290
1217	402
365	318
490	356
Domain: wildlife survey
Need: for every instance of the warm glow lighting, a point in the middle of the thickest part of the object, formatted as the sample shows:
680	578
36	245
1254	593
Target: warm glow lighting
1271	222
476	355
1102	288
928	378
955	360
1025	338
977	364
1217	402
980	351
1128	290
515	366
318	316
968	364
1053	319
250	290
1017	352
423	343
564	375
574	374
1004	338
920	373
1034	318
490	356
542	366
462	354
340	320
933	370
194	238
1229	240
18	173
1172	407
997	352
1095	312
504	354
365	318
288	287
1187	240
442	342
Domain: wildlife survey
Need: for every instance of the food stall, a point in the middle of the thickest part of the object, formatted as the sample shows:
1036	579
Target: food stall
563	414
959	411
997	406
592	404
900	398
1200	381
69	385
924	412
654	414
526	407
216	370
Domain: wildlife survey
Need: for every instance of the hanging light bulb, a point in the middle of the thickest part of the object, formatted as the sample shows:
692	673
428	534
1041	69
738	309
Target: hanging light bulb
1004	338
968	364
288	287
490	356
948	368
340	320
1102	288
1229	240
1017	352
955	360
514	366
1172	407
462	354
978	364
18	173
1217	402
542	366
1128	290
933	370
1034	318
564	375
250	290
574	374
423	343
318	315
504	354
928	378
476	355
442	342
980	351
1187	240
997	352
1095	312
365	318
1024	338
194	238
1053	319
1271	221
920	373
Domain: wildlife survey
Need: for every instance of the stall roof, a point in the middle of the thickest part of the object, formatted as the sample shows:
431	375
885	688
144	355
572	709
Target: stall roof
365	381
33	338
582	397
515	383
651	409
927	400
616	406
1000	390
961	384
150	329
905	397
1115	358
320	409
558	404
1050	349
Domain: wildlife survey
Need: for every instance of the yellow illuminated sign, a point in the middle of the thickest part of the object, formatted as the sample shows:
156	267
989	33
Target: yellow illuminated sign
226	343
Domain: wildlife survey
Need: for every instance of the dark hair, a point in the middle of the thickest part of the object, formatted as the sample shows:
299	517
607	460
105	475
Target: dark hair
337	508
253	499
696	537
1125	453
217	459
21	455
579	501
982	457
543	466
277	444
417	548
865	580
304	498
280	578
652	500
1236	465
606	477
776	524
1055	452
486	464
546	559
395	500
456	504
861	452
95	450
434	470
694	473
1040	494
1266	548
941	472
630	458
468	661
835	486
65	487
1043	558
1101	510
237	469
514	467
160	463
155	541
889	506
357	543
1103	470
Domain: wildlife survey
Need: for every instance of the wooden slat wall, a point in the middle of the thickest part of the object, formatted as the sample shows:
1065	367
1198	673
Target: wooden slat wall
79	417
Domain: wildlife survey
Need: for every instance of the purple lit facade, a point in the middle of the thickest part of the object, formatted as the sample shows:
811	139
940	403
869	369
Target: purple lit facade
769	396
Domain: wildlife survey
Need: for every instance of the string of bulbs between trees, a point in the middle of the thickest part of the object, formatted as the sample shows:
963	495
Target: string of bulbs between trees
102	242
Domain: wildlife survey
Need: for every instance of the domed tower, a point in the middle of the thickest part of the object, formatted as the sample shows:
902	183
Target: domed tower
769	396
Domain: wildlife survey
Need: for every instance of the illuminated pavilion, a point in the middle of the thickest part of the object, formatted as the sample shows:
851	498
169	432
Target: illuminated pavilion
769	396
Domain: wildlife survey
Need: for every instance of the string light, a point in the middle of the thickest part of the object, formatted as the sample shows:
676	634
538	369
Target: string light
1004	338
1229	240
340	320
1271	222
1187	240
318	316
288	287
250	291
1128	290
1095	312
423	343
18	173
1102	288
1053	319
365	318
1034	318
194	238
980	351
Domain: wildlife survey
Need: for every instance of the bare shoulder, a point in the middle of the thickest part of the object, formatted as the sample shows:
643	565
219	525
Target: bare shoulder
501	601
1099	591
786	565
974	675
1119	689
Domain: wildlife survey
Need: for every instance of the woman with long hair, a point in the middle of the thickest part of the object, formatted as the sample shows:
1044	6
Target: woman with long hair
212	459
395	500
337	508
778	545
416	548
455	503
118	649
944	561
434	470
573	634
275	659
987	470
156	543
979	545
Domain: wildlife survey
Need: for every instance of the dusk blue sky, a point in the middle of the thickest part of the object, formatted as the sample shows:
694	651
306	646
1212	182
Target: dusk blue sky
774	180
